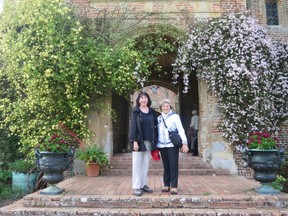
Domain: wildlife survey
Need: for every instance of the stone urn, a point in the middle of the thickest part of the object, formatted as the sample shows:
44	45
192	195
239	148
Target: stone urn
53	166
265	164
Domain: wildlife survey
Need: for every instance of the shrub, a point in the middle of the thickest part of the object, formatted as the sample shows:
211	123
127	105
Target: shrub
22	165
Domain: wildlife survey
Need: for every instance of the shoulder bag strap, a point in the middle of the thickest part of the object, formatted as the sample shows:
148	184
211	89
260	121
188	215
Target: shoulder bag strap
164	123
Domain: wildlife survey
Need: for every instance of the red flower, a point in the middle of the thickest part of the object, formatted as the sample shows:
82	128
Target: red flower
262	140
59	142
266	135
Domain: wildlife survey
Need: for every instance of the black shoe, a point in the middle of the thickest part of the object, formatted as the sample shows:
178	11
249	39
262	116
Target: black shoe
173	191
147	189
137	192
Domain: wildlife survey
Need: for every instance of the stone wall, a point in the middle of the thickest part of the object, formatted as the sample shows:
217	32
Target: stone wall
100	123
213	148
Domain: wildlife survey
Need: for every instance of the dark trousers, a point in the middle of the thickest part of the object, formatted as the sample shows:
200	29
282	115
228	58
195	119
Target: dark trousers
194	145
170	159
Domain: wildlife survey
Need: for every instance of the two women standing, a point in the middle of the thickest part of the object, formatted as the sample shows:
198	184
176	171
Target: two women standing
145	138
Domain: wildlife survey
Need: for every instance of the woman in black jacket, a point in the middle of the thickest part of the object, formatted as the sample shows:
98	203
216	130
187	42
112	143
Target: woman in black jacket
143	137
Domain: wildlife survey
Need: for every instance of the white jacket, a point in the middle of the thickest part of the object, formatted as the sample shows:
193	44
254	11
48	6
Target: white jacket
173	122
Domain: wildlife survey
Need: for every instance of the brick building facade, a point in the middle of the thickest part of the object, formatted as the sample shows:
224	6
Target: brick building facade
212	147
272	14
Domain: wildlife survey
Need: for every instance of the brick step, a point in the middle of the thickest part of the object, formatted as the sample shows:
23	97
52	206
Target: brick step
24	211
152	171
160	166
122	157
121	164
167	201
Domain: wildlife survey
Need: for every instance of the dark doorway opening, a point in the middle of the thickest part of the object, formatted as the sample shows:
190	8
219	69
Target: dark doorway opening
184	103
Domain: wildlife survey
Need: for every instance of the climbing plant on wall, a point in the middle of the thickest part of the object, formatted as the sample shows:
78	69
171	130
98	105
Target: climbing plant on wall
245	69
52	63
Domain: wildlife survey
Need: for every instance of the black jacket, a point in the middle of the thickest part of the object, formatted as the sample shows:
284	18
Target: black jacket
135	131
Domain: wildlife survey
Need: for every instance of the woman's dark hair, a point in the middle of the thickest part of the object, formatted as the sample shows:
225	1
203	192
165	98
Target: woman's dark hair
146	95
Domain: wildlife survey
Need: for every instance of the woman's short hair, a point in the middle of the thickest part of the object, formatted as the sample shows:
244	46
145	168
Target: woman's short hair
143	94
166	100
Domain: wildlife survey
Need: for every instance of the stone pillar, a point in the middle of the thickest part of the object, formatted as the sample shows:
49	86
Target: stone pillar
212	147
100	124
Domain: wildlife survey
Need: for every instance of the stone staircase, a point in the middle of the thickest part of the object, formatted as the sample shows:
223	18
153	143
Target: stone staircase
121	164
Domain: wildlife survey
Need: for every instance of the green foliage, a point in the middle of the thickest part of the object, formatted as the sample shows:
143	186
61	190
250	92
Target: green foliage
153	46
5	175
9	146
51	65
44	72
93	153
22	165
6	192
278	183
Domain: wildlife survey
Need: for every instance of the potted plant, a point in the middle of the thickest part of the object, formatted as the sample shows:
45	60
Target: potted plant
94	157
54	154
265	156
24	175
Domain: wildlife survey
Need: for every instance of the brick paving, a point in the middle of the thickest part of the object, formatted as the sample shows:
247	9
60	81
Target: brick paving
111	195
187	185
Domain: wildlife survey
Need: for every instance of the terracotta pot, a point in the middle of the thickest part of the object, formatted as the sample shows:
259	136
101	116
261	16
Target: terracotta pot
93	169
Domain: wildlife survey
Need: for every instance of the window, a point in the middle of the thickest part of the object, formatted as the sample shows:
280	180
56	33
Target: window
272	12
249	4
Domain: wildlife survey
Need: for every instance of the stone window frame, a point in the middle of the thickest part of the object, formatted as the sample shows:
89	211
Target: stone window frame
275	19
282	16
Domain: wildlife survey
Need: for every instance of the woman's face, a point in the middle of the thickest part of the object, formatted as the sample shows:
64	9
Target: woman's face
143	101
165	108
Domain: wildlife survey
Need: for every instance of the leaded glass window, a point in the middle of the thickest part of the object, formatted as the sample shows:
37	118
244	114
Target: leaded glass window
272	12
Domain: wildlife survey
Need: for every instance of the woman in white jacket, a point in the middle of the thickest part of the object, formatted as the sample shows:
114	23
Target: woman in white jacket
169	153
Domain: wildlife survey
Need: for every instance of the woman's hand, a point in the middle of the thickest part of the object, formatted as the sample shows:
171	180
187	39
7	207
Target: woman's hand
135	146
185	148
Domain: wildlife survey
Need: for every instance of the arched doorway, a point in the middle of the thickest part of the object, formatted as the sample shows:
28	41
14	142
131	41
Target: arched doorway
183	105
159	86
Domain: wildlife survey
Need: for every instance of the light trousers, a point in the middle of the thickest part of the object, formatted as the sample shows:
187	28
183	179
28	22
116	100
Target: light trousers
140	166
